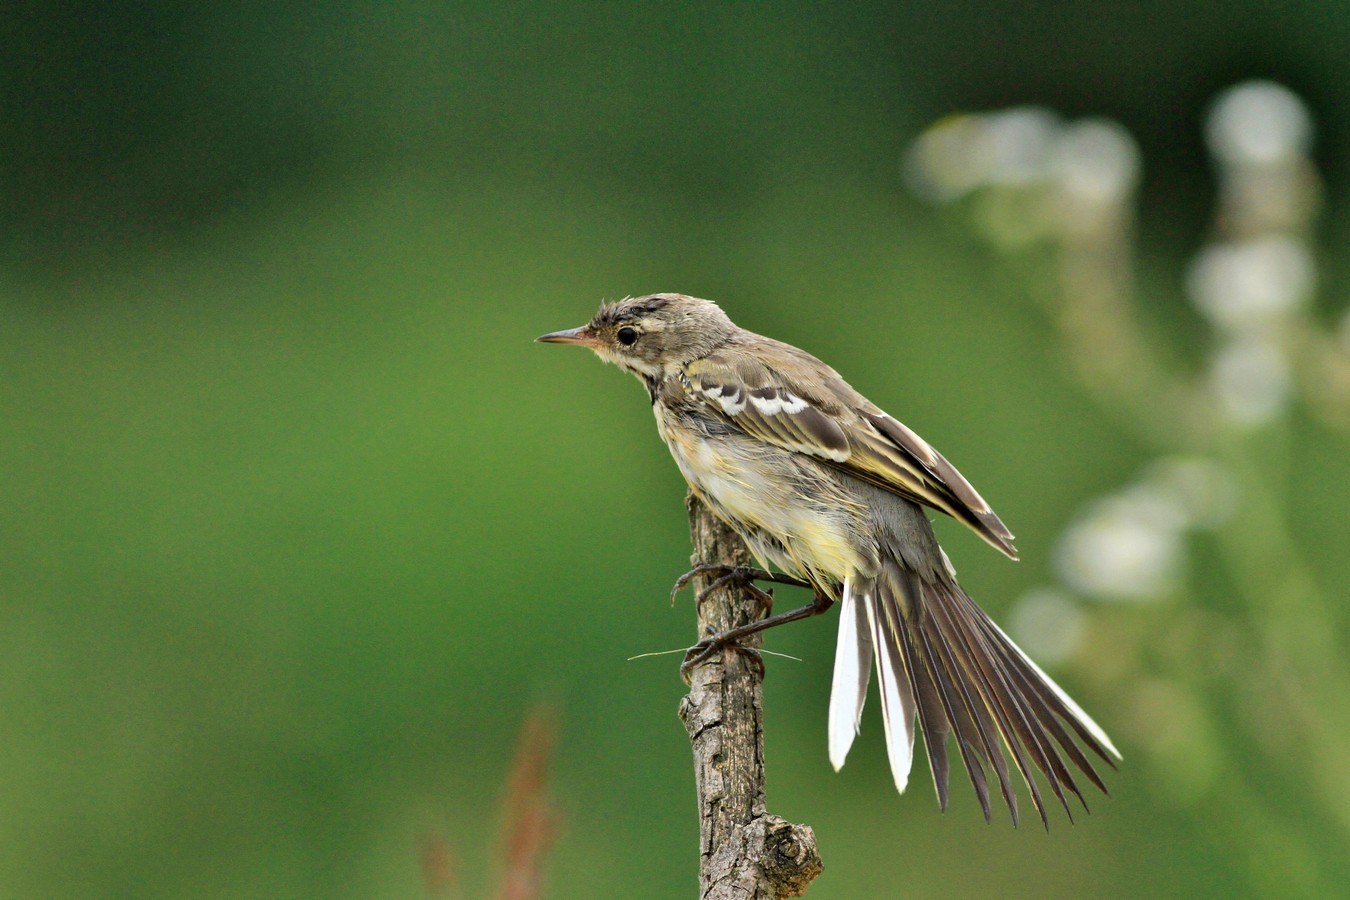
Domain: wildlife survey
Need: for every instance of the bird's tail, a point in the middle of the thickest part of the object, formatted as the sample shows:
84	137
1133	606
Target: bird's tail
942	660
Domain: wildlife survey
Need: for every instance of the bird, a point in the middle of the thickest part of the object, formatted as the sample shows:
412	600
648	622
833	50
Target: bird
832	491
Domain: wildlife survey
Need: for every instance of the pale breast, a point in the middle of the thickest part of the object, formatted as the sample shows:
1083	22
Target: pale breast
813	525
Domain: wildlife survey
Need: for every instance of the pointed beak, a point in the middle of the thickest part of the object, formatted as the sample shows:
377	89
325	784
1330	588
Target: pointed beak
571	336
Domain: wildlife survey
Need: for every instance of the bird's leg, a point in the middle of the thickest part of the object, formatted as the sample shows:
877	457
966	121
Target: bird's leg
701	652
745	576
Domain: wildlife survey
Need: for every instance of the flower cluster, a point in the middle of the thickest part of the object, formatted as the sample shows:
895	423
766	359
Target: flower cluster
1207	672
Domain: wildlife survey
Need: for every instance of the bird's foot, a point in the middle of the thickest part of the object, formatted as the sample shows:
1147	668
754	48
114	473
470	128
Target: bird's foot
704	650
709	647
744	577
741	576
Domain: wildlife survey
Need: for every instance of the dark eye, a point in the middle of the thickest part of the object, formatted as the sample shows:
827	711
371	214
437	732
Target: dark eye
627	336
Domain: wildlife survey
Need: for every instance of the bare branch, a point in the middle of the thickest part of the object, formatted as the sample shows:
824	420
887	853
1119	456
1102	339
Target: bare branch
745	853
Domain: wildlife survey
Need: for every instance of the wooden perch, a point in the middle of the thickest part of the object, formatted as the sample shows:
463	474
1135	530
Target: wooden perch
745	853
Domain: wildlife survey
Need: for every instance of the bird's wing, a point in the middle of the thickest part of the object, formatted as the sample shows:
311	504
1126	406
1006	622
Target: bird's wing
814	411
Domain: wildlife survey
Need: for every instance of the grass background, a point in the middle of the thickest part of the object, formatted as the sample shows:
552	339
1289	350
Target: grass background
299	524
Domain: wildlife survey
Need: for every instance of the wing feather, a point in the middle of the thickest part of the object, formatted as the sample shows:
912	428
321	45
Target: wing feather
816	412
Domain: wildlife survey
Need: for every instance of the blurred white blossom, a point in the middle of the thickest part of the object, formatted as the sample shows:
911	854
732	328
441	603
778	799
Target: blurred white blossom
1066	191
1255	286
1251	283
949	160
1095	161
1125	547
1251	380
961	153
1047	624
1258	123
1041	177
1020	140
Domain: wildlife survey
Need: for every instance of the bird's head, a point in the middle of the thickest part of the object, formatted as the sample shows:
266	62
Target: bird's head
651	336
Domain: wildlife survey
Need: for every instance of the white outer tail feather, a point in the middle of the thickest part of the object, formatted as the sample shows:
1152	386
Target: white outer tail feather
898	709
861	637
852	666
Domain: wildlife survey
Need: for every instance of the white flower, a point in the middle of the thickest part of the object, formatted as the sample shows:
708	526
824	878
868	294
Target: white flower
1020	142
1125	547
1258	123
949	160
1251	283
1250	379
962	153
1096	161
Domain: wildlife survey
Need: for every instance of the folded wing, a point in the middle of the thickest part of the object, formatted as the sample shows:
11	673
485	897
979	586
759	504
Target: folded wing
818	413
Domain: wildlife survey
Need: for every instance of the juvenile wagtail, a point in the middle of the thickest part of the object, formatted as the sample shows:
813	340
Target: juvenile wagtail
828	488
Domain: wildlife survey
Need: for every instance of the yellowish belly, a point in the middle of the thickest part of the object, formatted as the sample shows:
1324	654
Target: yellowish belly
759	489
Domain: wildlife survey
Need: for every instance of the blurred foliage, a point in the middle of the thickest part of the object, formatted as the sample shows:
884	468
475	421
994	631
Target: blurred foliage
299	525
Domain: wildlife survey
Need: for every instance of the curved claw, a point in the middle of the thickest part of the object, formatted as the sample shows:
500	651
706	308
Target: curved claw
683	580
727	574
736	577
696	656
723	572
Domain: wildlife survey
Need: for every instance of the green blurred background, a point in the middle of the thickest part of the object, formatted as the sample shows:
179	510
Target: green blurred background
298	524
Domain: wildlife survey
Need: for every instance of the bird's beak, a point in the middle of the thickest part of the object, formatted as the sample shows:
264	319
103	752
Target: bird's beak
579	335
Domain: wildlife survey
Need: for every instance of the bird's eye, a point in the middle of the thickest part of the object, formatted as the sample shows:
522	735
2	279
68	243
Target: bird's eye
627	336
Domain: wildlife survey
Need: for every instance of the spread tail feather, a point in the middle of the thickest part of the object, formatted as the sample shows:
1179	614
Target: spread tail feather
942	660
852	666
